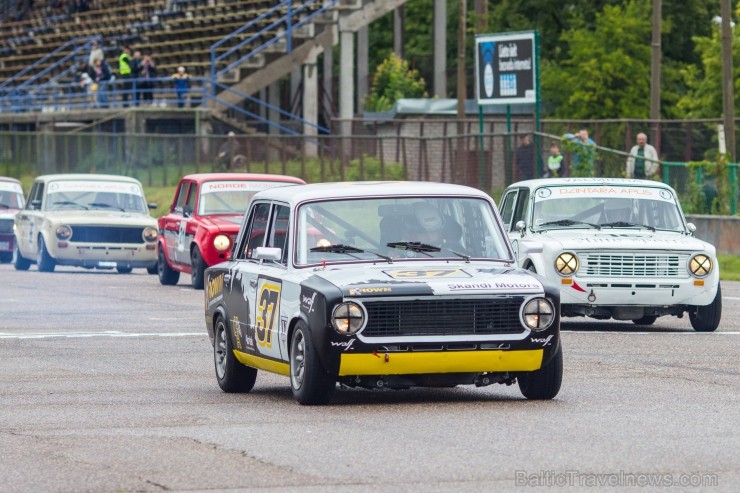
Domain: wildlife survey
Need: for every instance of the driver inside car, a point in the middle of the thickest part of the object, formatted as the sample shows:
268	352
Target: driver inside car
432	228
617	211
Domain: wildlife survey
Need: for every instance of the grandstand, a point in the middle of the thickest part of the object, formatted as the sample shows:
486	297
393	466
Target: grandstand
231	48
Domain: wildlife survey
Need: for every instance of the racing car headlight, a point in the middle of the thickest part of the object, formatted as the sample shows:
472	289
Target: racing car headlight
221	243
150	234
347	318
700	265
566	264
64	232
538	314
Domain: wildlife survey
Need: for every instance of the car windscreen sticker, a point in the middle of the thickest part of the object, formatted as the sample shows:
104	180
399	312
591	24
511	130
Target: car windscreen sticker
604	191
515	284
427	273
95	186
9	186
229	186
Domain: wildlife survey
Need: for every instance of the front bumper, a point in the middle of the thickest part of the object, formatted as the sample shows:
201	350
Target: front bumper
99	255
410	363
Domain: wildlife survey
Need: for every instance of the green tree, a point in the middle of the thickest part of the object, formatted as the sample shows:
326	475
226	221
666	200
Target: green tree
394	80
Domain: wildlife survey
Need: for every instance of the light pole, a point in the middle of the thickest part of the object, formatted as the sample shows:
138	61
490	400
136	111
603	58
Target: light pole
728	89
655	74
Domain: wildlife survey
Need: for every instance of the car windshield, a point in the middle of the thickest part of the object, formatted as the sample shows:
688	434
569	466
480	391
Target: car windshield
11	195
231	197
606	206
95	195
389	229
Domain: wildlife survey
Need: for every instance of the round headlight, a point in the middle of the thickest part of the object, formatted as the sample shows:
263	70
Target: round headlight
700	265
538	314
64	232
347	318
221	243
150	234
566	264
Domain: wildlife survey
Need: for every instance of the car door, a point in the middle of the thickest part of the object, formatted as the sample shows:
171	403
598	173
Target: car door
241	280
514	209
186	228
27	221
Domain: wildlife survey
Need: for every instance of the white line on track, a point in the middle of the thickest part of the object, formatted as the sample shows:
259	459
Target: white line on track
77	335
733	298
586	331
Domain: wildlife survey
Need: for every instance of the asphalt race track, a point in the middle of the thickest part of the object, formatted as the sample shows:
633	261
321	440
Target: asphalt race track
107	384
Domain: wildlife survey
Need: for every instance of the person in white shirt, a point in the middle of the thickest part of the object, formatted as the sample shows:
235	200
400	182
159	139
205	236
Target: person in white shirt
643	161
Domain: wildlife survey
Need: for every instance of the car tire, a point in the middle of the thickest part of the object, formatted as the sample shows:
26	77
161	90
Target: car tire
310	382
153	269
167	276
544	383
19	261
647	320
44	261
6	257
706	318
198	267
232	376
124	270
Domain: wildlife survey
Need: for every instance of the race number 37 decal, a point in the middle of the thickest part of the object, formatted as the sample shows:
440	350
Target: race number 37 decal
267	312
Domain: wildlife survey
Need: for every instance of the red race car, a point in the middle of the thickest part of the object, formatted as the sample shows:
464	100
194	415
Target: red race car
204	219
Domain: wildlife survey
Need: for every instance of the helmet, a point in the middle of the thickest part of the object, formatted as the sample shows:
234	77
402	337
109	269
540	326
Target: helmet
428	217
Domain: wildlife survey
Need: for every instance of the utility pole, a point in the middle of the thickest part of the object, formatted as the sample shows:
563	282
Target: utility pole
728	90
461	165
655	74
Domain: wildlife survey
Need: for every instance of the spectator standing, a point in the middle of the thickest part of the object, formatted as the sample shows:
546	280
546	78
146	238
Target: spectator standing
525	166
135	74
96	53
584	153
147	74
182	85
643	159
102	76
555	162
125	70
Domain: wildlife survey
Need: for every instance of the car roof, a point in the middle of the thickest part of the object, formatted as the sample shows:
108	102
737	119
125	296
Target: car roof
7	178
86	177
539	182
339	190
202	177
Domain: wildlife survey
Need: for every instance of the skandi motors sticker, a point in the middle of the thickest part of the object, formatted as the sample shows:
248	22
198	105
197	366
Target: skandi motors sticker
507	284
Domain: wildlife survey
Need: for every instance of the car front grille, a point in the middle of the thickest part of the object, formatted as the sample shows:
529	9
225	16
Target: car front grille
443	317
6	225
633	265
107	234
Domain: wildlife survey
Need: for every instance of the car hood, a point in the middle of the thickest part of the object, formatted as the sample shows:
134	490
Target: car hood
8	213
112	218
619	239
225	223
431	279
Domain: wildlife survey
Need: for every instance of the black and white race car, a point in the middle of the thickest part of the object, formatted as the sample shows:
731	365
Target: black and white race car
380	285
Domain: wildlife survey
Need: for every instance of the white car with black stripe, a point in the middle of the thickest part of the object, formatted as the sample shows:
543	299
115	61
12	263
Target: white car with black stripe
618	248
379	285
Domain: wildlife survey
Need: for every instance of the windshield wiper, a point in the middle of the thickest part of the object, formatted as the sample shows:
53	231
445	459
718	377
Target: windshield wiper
69	202
107	206
348	249
625	224
416	246
5	206
569	222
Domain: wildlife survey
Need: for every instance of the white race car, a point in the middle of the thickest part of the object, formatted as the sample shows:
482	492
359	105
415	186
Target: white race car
618	248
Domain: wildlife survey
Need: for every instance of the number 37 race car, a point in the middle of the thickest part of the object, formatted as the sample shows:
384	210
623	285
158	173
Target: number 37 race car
379	285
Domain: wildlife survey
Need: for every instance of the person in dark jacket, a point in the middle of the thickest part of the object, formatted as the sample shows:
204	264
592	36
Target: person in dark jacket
147	74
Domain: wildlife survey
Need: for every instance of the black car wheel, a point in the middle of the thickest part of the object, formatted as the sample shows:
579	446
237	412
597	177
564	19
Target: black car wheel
198	268
19	261
153	269
6	257
167	276
44	261
124	270
311	384
544	383
648	320
706	318
232	376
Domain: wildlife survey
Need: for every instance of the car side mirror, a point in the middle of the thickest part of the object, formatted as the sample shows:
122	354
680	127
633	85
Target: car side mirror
152	205
187	211
521	226
36	204
691	227
268	253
